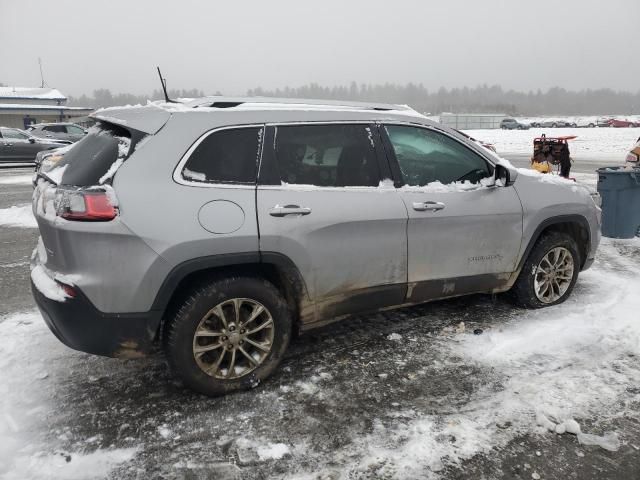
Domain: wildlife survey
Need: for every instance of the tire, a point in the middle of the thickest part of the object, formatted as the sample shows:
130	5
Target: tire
200	312
525	289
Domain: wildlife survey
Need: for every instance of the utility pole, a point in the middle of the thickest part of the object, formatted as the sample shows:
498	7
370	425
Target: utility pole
41	74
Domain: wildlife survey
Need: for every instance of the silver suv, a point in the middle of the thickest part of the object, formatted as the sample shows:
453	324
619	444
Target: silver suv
69	132
219	228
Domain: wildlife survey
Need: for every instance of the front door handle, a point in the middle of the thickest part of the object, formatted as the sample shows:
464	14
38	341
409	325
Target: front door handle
280	211
428	206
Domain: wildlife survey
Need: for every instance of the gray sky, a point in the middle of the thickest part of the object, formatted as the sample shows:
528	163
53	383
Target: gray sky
235	45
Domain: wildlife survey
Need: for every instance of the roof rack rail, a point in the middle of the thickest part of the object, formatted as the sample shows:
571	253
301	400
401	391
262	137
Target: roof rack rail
230	102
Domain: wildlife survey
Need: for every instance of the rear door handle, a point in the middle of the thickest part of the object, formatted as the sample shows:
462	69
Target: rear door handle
280	211
428	206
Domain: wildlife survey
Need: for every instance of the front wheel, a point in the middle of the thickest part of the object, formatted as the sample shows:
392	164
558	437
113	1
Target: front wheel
228	335
549	273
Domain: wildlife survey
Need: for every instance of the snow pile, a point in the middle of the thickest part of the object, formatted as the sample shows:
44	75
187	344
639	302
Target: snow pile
574	360
272	451
259	449
27	451
18	216
70	466
548	370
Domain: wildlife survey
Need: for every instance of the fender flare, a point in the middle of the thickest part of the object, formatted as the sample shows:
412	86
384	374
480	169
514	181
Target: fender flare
194	265
573	218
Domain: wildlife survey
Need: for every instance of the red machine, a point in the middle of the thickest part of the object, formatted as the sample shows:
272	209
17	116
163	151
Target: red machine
552	151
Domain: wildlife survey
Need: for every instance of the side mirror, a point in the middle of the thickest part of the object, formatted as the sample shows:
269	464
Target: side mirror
503	176
32	140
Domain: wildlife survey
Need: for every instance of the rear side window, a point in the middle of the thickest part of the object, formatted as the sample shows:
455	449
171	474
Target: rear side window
327	155
225	156
94	159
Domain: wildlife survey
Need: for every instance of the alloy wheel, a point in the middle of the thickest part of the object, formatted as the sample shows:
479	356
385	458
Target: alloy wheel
553	275
233	338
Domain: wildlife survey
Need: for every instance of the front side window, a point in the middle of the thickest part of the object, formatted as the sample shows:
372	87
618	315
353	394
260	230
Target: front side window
334	155
426	156
226	156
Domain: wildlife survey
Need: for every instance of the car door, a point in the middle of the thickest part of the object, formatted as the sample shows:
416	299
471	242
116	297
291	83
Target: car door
464	232
6	149
12	147
55	131
321	205
21	147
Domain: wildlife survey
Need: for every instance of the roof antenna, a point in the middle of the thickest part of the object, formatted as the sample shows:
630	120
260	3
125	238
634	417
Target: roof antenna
163	81
41	74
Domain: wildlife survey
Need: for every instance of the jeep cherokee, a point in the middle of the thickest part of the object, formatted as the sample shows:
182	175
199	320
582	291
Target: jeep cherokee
219	228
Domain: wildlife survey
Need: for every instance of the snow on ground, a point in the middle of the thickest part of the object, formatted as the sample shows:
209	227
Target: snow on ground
398	415
574	361
605	143
16	180
17	216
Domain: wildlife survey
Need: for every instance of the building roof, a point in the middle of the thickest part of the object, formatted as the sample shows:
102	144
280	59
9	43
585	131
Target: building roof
5	107
31	93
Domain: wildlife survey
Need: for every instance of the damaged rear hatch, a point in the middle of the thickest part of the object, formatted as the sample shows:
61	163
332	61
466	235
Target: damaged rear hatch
73	189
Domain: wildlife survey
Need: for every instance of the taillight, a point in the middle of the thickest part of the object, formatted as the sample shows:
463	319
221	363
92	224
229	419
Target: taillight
86	205
632	157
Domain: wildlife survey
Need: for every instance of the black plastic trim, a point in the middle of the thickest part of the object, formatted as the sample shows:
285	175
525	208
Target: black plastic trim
180	272
555	221
79	325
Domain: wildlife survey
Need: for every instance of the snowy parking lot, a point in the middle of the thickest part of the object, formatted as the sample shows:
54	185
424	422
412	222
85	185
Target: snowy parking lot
466	388
593	147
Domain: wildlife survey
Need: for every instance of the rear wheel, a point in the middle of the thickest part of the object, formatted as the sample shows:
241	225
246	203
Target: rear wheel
549	273
228	335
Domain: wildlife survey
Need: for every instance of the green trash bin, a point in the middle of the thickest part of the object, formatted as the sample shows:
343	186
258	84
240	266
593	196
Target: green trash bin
619	188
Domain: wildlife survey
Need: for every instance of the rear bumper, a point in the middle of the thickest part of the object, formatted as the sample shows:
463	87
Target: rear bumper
79	325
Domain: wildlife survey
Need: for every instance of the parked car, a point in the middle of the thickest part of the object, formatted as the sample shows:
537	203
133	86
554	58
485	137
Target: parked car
603	122
60	131
229	227
512	124
554	123
633	157
586	122
18	146
490	146
617	123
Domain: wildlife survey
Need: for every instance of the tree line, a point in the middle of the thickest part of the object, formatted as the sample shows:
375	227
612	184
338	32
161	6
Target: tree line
481	99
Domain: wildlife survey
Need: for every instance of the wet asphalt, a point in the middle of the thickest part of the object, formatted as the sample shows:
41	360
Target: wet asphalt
333	386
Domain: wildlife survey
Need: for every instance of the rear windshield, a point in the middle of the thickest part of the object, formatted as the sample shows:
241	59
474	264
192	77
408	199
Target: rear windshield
95	159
